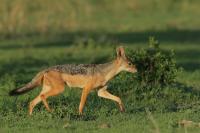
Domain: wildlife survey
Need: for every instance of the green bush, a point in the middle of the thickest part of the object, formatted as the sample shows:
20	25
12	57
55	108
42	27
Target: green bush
155	66
154	86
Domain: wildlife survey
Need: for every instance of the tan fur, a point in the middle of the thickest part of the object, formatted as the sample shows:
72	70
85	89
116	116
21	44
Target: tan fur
53	82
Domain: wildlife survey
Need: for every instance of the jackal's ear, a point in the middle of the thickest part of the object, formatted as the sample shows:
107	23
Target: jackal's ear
120	51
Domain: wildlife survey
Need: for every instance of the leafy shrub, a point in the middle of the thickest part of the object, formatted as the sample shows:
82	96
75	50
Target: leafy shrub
155	66
154	86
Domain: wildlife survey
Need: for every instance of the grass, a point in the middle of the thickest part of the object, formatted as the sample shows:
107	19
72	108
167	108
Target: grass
88	35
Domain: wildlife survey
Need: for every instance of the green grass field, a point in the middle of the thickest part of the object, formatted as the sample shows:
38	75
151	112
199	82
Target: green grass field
49	33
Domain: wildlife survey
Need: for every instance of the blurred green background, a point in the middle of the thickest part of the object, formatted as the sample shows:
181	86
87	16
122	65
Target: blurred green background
36	34
50	23
25	17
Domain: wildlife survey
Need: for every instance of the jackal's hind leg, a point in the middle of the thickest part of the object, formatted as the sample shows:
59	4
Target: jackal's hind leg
44	100
52	92
52	86
37	100
33	104
105	94
46	89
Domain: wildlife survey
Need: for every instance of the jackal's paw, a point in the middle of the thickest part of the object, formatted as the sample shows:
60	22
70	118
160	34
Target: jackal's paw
30	112
80	113
50	110
30	109
122	109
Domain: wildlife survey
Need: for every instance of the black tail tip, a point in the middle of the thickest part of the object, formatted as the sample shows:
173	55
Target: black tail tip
13	93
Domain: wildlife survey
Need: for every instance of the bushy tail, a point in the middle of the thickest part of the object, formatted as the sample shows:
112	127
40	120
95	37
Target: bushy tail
36	81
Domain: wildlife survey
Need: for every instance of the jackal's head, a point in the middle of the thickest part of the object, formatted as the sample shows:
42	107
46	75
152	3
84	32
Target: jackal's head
125	64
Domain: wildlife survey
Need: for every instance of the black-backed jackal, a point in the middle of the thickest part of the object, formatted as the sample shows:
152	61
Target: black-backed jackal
86	76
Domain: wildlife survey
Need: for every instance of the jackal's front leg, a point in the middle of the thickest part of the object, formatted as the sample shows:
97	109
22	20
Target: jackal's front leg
105	94
84	95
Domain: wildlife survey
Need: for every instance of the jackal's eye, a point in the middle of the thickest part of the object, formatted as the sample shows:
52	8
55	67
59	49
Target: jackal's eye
129	63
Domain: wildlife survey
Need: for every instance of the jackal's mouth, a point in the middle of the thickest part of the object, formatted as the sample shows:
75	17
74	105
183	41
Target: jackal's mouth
135	71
